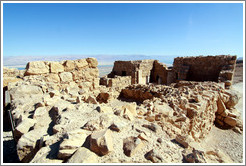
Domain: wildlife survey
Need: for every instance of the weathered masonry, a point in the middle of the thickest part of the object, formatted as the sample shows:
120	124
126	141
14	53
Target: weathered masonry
202	68
205	68
141	72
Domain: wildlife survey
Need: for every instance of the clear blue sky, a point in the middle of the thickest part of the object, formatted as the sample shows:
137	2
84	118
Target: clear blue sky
147	29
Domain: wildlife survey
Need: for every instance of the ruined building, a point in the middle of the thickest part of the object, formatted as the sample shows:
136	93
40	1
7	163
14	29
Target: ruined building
60	113
202	68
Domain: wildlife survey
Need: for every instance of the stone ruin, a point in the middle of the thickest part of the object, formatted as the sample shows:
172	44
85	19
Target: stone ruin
202	68
62	110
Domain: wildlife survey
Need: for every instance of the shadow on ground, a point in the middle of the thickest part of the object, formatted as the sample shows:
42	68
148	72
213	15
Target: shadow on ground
9	145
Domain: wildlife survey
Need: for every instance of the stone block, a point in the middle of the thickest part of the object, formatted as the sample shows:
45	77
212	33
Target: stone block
56	67
66	77
132	145
83	155
101	142
36	67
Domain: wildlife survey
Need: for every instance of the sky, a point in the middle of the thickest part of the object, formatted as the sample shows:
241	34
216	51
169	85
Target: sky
184	29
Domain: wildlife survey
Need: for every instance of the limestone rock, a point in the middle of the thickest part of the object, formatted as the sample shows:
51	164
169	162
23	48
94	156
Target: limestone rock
69	145
101	142
27	144
103	97
127	114
56	67
83	155
221	106
23	91
164	109
195	157
36	67
153	156
91	99
153	127
184	140
52	78
66	77
92	62
230	121
80	63
118	125
233	100
41	155
132	145
39	112
91	125
131	107
69	65
104	109
23	127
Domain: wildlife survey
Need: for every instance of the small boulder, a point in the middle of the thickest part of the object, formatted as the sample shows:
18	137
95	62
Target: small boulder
69	65
153	156
83	155
221	106
230	121
23	127
92	62
80	63
195	157
233	100
92	100
101	142
69	145
132	145
131	107
184	140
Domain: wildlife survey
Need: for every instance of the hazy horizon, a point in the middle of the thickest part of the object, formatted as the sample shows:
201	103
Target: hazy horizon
21	61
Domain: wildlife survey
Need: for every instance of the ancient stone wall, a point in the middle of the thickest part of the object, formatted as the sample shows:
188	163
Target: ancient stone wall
139	70
146	67
82	71
205	68
191	107
116	82
159	73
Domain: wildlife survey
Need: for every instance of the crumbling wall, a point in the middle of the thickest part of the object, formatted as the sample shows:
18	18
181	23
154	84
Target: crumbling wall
159	73
116	82
145	68
205	68
186	108
138	70
82	71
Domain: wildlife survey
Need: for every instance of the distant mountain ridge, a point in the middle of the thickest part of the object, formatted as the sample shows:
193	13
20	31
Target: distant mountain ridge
21	61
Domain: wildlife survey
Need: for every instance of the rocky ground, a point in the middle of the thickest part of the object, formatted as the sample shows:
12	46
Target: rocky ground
85	124
227	140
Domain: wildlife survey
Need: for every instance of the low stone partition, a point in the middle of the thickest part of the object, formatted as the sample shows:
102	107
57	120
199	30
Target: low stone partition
116	81
187	108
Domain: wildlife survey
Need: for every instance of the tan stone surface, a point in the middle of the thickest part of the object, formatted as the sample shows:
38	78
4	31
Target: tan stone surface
36	67
83	155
